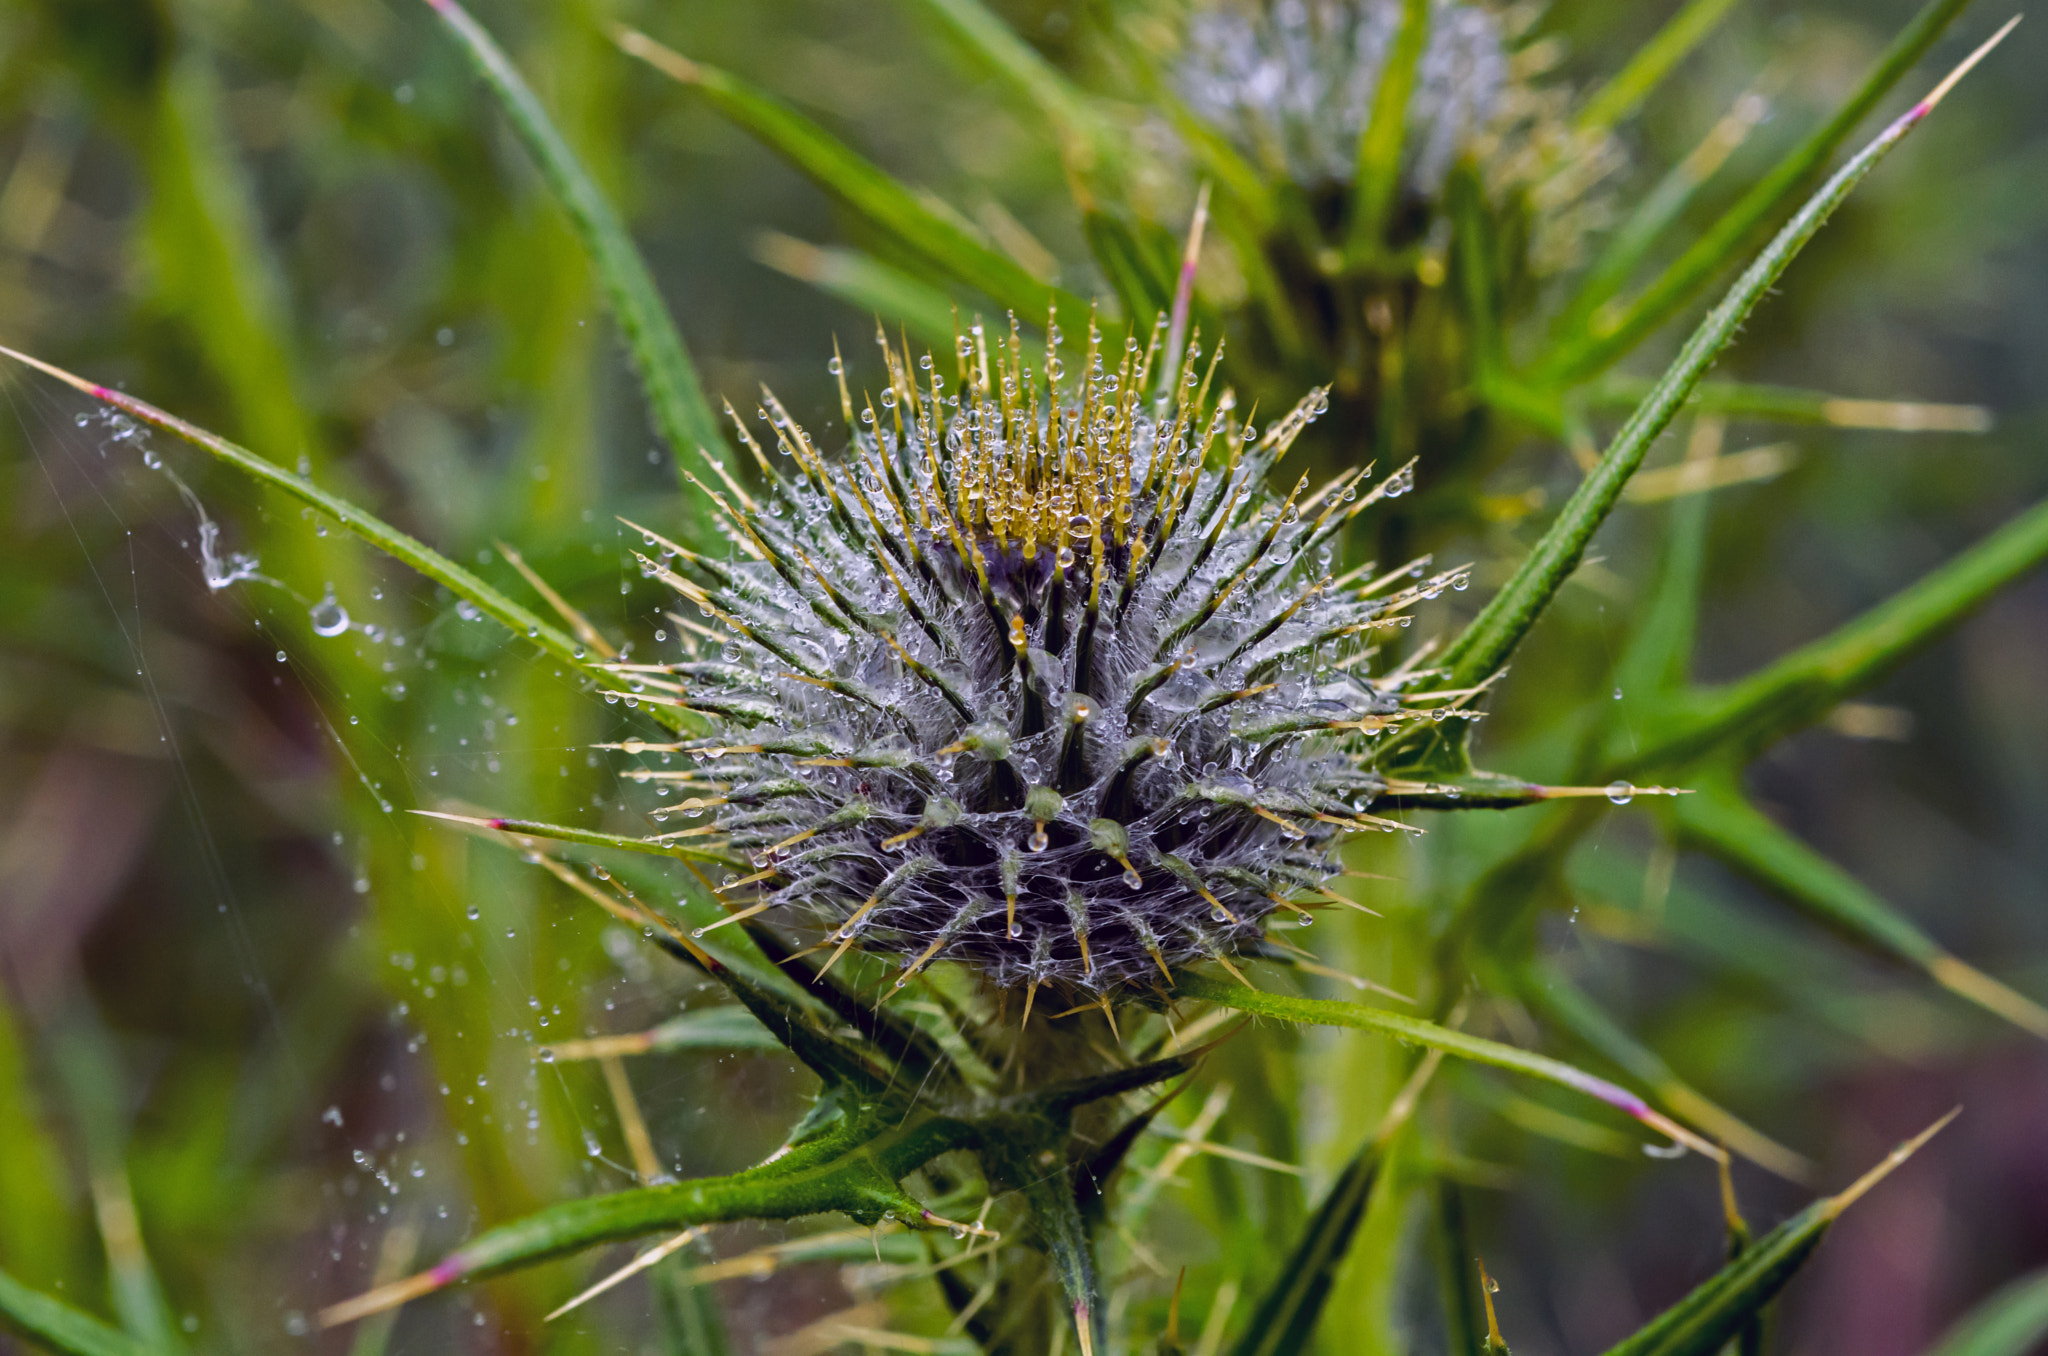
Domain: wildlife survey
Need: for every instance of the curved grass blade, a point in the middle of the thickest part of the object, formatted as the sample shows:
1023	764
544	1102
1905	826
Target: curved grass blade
1381	140
1654	60
1085	136
1660	208
1805	685
865	283
1486	644
1721	821
517	618
1557	998
852	1171
1616	334
56	1325
1717	1310
2011	1323
675	396
857	182
1659	654
1416	1031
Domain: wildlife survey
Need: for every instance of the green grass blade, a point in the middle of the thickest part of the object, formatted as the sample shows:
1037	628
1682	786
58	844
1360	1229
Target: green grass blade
853	1170
2011	1323
363	524
859	183
39	1236
682	414
1654	60
1085	136
1486	644
1660	208
1718	1309
56	1325
1377	181
867	284
1416	1031
1805	685
1659	653
1285	1321
91	1072
1143	282
1558	999
1722	822
1727	237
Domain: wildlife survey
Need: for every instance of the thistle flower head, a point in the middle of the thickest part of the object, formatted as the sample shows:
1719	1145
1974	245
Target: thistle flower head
1039	674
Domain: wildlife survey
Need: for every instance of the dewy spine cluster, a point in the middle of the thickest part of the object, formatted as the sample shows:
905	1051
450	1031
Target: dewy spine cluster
1040	675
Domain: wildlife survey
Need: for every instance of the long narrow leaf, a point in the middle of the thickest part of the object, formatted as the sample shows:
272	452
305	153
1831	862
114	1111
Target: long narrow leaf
1084	134
858	182
1416	1031
1724	823
1557	998
866	284
853	1171
521	620
681	413
2012	1322
1805	685
1654	60
58	1326
1719	1307
1660	208
1485	645
1725	240
1380	142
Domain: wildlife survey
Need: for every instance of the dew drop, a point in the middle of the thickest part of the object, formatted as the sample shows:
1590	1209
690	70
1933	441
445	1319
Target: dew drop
1038	841
1621	793
329	617
1133	879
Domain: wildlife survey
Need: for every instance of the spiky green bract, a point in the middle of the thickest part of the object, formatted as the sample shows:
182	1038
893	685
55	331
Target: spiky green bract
1041	676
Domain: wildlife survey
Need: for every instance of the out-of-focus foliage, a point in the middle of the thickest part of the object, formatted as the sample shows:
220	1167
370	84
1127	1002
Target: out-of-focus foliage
266	1039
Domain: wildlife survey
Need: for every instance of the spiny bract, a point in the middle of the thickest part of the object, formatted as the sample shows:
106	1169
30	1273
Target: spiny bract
1043	679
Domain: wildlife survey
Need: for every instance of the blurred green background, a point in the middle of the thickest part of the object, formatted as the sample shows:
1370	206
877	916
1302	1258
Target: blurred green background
245	1003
